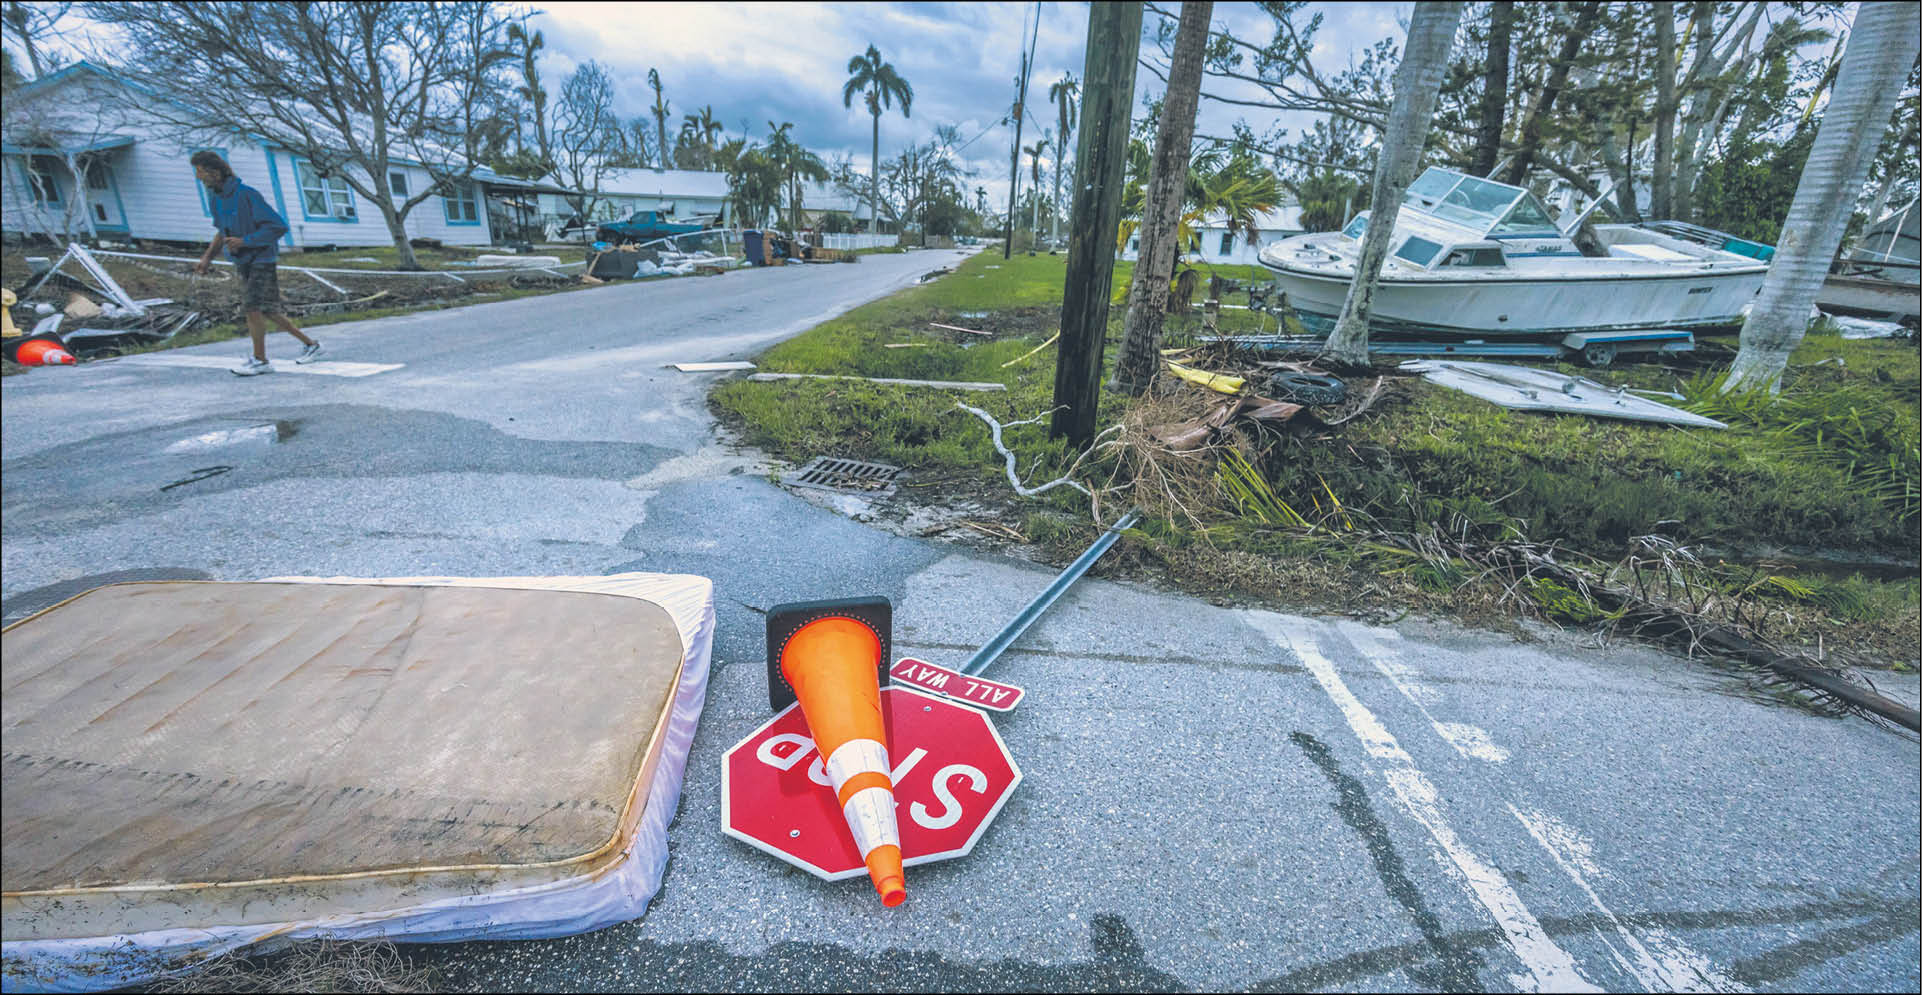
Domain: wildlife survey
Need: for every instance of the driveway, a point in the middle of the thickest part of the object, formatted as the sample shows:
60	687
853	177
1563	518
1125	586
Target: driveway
1215	798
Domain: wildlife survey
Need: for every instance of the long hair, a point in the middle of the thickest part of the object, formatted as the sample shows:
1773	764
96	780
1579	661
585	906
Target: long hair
210	159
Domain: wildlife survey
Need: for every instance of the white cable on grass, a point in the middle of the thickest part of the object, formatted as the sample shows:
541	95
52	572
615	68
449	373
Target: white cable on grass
1066	478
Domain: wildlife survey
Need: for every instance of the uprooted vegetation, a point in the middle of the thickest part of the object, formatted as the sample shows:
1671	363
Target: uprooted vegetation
1796	527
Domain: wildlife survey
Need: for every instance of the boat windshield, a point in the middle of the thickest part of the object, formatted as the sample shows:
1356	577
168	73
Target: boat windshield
1479	204
1430	188
1528	215
1357	227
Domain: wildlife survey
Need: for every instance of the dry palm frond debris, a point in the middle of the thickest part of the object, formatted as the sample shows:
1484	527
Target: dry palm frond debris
1660	590
308	966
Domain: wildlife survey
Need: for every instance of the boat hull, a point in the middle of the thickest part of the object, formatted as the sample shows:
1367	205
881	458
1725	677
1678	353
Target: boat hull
1528	306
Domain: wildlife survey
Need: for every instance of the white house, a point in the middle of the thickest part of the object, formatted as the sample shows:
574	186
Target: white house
84	121
818	199
679	193
1222	246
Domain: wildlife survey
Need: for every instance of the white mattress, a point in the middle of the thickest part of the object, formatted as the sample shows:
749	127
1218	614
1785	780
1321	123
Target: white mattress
57	935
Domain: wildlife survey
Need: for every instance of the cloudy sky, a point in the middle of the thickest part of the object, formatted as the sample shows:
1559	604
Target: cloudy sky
756	63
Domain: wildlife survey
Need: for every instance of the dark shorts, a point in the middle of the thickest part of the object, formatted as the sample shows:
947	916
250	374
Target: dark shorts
259	287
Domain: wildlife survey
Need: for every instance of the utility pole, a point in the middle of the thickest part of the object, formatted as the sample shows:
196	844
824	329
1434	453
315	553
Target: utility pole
1020	112
1100	167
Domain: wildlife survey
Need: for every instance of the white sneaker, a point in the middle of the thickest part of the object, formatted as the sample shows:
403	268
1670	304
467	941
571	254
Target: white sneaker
253	368
309	354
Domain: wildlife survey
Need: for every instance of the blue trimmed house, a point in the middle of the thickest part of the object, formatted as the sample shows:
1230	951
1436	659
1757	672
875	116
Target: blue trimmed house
72	166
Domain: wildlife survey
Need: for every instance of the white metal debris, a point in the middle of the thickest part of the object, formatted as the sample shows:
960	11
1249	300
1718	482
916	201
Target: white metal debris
1524	388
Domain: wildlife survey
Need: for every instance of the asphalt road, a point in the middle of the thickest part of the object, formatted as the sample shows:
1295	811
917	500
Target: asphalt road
1214	798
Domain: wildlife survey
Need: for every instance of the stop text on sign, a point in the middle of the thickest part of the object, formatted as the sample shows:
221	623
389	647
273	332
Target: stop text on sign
785	751
951	772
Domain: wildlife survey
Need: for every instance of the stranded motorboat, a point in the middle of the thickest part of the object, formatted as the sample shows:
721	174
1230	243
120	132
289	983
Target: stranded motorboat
1473	257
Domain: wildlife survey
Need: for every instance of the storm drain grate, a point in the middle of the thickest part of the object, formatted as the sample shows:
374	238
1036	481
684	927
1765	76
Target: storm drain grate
833	474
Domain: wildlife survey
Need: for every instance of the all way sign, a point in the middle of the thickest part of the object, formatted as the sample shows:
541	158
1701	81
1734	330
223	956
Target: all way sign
954	684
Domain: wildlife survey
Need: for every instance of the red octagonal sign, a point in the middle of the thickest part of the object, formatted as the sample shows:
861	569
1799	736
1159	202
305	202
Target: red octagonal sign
952	774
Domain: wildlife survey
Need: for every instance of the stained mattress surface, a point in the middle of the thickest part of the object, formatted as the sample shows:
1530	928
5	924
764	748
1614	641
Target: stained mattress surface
175	736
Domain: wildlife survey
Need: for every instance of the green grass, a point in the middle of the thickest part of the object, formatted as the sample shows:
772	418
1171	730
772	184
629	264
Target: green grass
1830	466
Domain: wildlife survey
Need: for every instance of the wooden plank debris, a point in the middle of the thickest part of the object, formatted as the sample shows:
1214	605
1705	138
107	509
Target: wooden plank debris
941	384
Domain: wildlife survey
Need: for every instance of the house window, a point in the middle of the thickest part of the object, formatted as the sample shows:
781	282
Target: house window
324	196
397	182
1134	245
40	178
97	177
459	204
100	212
1227	243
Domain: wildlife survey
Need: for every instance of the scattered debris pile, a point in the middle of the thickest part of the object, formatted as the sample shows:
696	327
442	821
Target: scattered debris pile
99	303
80	309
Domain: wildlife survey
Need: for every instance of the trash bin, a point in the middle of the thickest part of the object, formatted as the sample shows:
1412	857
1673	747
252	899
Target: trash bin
751	244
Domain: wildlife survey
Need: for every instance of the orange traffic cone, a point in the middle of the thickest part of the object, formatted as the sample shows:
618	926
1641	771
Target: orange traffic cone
42	352
833	665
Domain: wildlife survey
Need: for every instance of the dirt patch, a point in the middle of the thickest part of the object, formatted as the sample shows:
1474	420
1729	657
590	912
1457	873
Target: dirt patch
216	296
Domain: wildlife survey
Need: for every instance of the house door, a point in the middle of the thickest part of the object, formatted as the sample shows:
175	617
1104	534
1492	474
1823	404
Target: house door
103	198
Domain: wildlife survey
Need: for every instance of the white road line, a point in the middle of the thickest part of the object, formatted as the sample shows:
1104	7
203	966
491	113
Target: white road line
1671	965
1469	741
323	368
1550	968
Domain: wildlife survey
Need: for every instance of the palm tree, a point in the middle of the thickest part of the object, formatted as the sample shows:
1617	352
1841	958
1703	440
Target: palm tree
881	85
661	108
1035	152
1431	31
530	89
1167	176
795	163
753	182
1063	94
1881	51
1327	199
695	148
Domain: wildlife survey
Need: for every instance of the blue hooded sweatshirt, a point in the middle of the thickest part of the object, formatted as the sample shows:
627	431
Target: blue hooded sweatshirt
241	212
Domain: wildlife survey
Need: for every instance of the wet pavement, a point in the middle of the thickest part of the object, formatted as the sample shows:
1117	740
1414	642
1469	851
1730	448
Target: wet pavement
1214	798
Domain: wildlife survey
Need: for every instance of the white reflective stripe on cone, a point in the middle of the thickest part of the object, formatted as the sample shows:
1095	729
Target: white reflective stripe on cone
856	756
870	815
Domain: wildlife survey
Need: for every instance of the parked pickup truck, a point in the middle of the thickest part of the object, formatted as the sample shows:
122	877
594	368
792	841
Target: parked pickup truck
642	226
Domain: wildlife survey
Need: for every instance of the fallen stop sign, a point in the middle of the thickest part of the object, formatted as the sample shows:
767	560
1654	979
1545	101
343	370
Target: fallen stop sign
952	774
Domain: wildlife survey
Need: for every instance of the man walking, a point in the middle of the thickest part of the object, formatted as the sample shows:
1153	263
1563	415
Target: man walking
249	231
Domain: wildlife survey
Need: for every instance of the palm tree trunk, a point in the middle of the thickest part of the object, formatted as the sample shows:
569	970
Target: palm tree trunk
1140	358
874	181
1881	49
1054	204
1417	83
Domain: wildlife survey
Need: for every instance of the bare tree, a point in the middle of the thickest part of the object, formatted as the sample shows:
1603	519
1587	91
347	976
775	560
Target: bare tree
352	87
52	133
1430	33
1881	52
1501	29
587	134
1161	210
31	25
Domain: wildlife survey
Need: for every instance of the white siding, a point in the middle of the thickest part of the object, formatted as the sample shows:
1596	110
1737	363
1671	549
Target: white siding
160	198
1241	253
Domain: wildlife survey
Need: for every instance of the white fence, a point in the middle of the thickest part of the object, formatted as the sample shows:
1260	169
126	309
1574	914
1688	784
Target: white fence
859	241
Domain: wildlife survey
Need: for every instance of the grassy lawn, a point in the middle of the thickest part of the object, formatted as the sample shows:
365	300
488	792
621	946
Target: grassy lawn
1779	505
